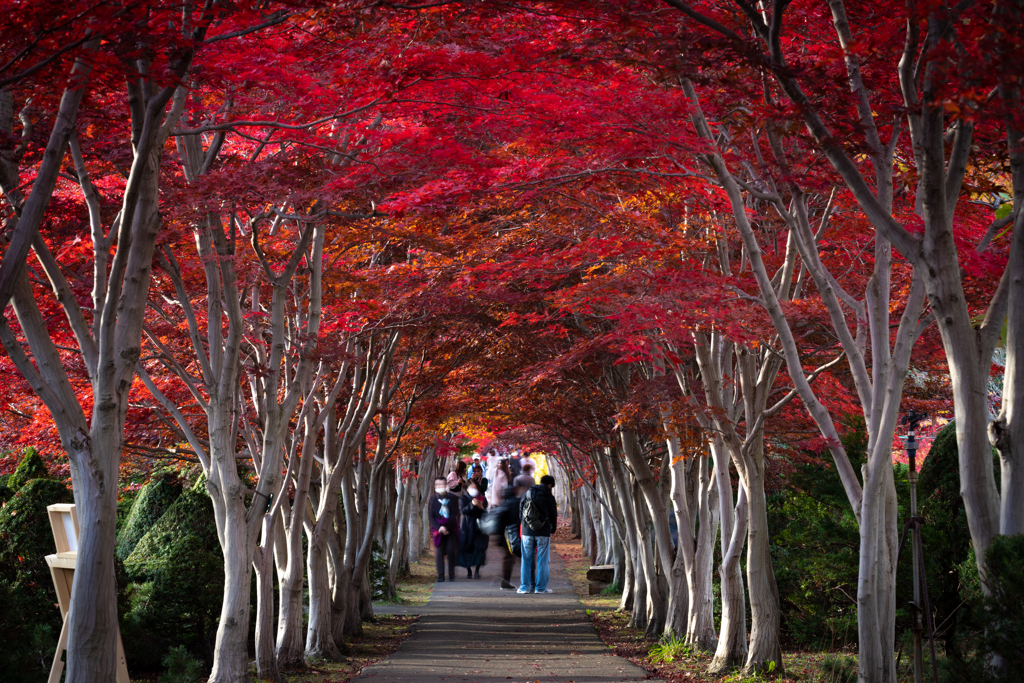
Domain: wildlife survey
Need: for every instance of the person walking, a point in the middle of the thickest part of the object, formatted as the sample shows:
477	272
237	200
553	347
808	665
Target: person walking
539	513
472	540
524	481
506	515
444	527
477	477
457	479
502	479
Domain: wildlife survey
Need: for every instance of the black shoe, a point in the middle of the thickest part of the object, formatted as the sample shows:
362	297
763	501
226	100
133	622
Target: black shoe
451	577
477	575
440	579
506	586
469	573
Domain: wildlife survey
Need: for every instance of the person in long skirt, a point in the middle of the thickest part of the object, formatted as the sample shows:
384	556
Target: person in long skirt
444	527
472	539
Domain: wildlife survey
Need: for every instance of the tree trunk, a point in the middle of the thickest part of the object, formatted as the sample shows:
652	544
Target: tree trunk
765	649
1007	431
336	565
290	646
588	530
662	536
632	578
732	633
266	658
682	569
575	529
415	523
92	626
654	608
320	640
231	649
700	628
694	495
876	581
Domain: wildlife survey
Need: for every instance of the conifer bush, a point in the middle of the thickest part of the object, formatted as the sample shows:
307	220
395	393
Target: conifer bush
177	574
29	618
31	467
994	651
182	667
152	502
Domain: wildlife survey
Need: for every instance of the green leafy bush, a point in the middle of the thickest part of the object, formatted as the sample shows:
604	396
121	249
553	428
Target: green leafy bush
152	502
29	618
177	574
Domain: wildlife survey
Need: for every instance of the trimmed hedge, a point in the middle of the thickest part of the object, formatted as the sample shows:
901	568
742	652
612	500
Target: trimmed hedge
152	502
29	619
31	467
177	571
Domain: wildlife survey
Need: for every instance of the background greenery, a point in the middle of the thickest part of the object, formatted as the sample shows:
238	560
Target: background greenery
170	570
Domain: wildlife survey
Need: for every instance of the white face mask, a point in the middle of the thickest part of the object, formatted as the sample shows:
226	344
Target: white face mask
440	490
473	492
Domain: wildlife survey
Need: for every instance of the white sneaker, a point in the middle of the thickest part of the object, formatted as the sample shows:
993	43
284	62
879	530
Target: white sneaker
546	590
522	590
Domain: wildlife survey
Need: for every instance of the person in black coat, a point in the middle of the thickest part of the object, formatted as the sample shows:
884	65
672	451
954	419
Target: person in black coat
472	540
537	538
444	527
506	515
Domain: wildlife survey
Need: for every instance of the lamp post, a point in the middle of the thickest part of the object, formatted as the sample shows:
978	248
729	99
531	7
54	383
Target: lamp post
912	419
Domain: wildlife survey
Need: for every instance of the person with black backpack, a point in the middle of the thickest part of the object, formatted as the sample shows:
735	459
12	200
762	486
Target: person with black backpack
539	514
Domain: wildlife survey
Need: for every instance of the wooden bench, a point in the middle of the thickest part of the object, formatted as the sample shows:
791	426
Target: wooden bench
600	577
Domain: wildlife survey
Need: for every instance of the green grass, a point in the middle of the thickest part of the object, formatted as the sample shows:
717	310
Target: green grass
669	650
416	587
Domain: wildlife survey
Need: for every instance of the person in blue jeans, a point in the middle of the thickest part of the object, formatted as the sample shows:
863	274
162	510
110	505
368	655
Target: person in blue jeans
538	511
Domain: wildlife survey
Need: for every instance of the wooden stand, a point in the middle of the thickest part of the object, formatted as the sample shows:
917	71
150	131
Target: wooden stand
64	522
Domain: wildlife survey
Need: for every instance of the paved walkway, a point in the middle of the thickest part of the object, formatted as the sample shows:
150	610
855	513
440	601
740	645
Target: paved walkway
474	633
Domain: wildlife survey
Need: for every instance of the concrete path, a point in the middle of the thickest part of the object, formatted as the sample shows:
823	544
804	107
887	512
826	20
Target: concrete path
472	632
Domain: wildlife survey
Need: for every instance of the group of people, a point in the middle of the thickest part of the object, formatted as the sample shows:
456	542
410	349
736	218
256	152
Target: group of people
520	513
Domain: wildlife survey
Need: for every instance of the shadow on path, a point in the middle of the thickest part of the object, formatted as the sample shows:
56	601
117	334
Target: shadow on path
471	632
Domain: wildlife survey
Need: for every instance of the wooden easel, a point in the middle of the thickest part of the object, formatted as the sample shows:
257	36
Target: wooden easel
64	522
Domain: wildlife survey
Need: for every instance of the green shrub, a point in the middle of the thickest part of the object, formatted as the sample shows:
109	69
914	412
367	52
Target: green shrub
181	666
995	652
177	571
31	467
814	546
152	502
946	541
1004	607
29	618
379	576
6	493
